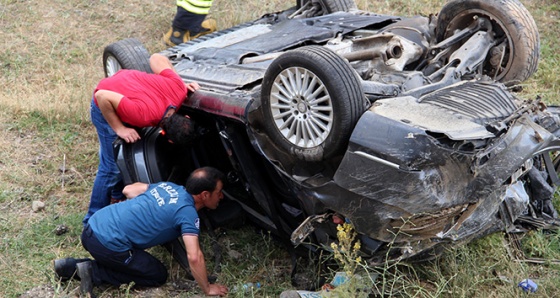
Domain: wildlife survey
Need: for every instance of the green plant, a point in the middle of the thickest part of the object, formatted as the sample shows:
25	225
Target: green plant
347	250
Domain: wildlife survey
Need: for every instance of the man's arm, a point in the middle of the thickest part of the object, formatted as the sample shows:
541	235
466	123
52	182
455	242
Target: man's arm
135	189
108	101
158	63
198	267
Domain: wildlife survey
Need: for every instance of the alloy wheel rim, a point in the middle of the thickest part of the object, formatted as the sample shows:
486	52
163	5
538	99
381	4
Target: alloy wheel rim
301	107
112	66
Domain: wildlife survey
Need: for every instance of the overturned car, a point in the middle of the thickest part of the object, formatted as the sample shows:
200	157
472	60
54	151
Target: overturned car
409	128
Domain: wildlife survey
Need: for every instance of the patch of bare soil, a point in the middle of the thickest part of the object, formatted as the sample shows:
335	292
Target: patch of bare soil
39	291
32	167
171	289
20	156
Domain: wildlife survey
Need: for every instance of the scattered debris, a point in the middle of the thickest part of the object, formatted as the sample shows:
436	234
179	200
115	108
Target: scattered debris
247	287
339	279
528	286
290	294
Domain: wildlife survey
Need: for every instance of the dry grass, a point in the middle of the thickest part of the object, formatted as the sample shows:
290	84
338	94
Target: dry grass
50	59
51	50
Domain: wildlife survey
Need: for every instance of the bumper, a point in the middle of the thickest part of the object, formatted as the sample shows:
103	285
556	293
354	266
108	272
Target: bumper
408	185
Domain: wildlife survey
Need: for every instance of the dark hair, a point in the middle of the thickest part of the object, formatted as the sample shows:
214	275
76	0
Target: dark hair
178	128
203	179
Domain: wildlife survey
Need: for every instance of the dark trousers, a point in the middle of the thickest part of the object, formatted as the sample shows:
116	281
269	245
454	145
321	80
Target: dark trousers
118	268
186	20
108	180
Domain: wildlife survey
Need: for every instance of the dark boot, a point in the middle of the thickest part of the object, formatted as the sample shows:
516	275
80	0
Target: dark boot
177	36
85	272
174	37
65	269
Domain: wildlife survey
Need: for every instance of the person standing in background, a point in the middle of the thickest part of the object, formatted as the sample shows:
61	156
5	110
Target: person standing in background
189	22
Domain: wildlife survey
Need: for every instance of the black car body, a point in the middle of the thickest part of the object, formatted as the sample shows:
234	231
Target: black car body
406	127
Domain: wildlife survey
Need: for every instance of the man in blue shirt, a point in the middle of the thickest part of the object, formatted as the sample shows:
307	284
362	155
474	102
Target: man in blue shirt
117	235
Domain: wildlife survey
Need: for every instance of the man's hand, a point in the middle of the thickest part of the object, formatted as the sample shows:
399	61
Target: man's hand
198	267
108	102
129	135
192	86
217	289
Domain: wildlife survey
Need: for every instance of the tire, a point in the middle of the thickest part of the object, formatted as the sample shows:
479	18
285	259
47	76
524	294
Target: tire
295	119
333	5
177	249
510	21
128	53
340	5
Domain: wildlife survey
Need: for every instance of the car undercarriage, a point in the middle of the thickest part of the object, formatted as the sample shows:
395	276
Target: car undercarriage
407	127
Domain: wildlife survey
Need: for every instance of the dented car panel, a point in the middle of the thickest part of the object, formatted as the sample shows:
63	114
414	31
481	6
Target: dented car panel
408	128
418	178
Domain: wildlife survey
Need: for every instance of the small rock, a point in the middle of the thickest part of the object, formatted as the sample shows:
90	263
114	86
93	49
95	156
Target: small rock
37	206
40	291
61	229
234	254
184	285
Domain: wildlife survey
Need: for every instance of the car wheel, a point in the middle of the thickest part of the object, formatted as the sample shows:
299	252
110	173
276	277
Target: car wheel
128	53
514	62
311	98
332	5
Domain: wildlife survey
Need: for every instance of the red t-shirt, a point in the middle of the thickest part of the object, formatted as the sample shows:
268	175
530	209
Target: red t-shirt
146	97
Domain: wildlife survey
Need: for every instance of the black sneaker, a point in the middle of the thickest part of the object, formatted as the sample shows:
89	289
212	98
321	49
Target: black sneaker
65	269
85	272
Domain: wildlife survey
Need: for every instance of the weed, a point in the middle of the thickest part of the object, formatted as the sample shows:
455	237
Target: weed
347	250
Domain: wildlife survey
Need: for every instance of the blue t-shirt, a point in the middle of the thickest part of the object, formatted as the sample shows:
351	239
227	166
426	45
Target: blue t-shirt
164	212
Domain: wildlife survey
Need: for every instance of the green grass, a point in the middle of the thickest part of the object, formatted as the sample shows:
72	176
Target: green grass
50	59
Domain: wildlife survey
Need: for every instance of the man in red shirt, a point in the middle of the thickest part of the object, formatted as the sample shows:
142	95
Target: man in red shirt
129	99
